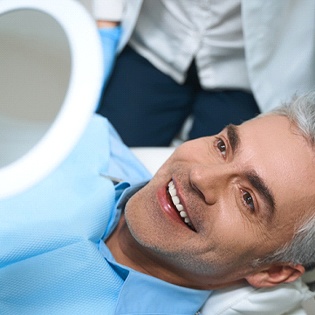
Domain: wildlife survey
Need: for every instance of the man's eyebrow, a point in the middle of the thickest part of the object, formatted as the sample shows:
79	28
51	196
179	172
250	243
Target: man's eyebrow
233	137
255	180
258	183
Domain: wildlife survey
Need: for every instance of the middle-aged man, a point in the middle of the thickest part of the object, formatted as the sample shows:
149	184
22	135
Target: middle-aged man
237	206
234	208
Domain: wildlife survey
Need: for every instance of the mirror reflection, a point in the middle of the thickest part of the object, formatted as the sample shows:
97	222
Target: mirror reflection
35	65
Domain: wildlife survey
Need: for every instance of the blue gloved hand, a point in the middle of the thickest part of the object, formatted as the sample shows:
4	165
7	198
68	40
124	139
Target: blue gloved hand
109	39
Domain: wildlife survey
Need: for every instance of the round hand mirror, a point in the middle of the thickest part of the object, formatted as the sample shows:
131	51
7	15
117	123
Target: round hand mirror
51	74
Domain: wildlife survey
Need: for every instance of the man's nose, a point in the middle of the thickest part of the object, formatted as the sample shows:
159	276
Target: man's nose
210	181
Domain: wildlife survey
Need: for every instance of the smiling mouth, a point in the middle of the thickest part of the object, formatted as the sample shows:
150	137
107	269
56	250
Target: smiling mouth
179	207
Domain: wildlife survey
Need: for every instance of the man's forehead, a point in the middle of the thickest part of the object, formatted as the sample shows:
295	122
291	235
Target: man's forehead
287	158
275	127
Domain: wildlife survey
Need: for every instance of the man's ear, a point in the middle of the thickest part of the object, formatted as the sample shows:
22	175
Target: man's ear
274	275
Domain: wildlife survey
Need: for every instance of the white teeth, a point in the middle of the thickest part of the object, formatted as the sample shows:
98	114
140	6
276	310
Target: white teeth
171	184
187	220
183	214
172	192
171	189
176	201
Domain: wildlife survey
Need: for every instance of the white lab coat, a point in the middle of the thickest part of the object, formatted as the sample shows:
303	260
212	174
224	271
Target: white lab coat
279	44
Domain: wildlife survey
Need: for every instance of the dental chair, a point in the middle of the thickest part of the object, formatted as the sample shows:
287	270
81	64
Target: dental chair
54	150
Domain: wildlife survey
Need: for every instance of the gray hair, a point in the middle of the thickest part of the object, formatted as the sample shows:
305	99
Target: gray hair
301	249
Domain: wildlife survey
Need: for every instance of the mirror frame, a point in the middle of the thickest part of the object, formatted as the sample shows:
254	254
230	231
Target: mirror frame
80	102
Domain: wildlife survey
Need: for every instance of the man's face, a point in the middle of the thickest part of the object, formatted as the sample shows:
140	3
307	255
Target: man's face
242	192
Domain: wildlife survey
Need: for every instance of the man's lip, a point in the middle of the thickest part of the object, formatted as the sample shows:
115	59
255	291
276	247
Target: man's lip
168	206
182	201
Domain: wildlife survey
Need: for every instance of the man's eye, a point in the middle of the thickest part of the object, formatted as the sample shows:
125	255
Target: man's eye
221	146
248	200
